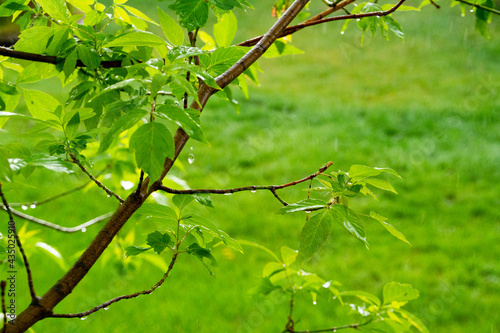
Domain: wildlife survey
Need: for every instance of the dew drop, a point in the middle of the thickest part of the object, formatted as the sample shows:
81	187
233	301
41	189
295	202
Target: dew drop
32	206
358	20
227	193
342	32
84	229
191	148
109	195
308	212
472	10
314	303
253	191
191	158
106	308
83	318
24	207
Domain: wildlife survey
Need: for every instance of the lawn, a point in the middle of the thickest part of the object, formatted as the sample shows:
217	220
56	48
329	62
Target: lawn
428	107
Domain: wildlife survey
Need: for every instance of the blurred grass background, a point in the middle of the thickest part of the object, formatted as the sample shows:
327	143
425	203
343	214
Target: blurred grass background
428	107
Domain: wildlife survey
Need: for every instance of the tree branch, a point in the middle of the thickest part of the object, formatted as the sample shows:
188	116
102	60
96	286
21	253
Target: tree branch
3	285
331	329
117	299
319	19
489	9
12	228
271	188
58	227
75	274
4	51
101	185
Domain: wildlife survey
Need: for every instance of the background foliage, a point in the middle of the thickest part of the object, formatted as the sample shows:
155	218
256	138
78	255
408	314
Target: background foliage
427	107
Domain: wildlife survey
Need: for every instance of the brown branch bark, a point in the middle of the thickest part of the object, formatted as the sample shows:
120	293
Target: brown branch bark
43	308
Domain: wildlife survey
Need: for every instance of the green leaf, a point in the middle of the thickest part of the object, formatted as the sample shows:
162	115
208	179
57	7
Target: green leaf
397	292
89	57
24	117
207	78
193	13
41	105
413	320
72	126
10	7
5	169
135	250
53	163
204	199
182	200
158	241
182	118
395	232
170	28
70	64
363	171
394	26
123	123
202	253
152	143
156	210
137	13
56	9
381	184
34	40
483	18
314	234
304	205
364	296
225	29
180	52
137	38
288	255
347	218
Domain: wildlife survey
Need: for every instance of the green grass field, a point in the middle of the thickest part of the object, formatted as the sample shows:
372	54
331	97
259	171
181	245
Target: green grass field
428	107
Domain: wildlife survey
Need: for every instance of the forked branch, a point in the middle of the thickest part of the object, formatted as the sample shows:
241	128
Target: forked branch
271	188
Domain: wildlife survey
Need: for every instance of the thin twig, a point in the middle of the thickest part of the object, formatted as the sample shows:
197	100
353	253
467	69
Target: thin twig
117	299
101	185
271	188
488	9
4	51
330	329
55	197
58	227
12	228
3	285
308	23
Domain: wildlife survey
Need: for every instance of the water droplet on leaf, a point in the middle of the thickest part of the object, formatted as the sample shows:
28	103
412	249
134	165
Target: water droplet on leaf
314	303
342	32
106	308
109	195
227	193
83	318
24	207
32	206
253	191
191	158
84	229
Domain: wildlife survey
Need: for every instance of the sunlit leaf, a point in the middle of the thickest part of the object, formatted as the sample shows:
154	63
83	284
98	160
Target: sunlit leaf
315	233
171	29
397	292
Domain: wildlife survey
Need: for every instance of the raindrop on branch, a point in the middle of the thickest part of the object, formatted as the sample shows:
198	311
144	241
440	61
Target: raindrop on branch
191	158
106	308
24	207
227	193
253	191
83	318
32	206
84	229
